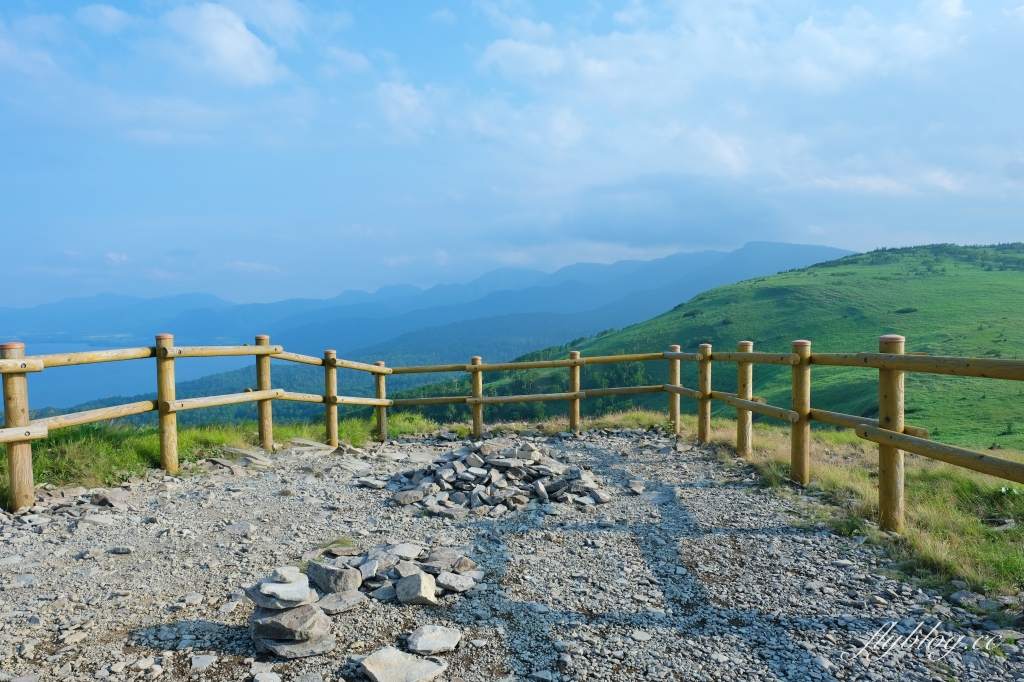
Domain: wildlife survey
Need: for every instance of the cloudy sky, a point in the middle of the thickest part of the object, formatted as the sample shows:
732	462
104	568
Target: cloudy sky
262	149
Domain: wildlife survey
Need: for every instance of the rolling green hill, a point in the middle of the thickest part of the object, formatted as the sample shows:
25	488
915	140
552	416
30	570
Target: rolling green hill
946	299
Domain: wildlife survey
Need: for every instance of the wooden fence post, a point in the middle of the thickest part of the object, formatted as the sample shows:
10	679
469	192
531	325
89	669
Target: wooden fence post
890	459
704	387
478	392
673	398
264	408
744	391
800	432
331	392
19	454
574	387
382	411
165	395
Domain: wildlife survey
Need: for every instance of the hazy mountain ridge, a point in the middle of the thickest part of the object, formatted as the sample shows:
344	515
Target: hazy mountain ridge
576	301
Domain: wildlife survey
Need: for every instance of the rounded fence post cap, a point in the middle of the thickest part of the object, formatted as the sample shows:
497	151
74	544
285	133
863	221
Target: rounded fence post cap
476	359
379	363
705	345
674	348
12	345
574	354
163	337
891	338
746	344
332	352
801	342
263	337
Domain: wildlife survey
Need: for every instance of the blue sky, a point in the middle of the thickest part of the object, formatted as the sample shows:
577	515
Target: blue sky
262	149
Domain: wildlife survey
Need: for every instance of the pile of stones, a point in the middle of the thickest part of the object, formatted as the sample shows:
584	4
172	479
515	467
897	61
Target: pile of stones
286	621
408	572
488	479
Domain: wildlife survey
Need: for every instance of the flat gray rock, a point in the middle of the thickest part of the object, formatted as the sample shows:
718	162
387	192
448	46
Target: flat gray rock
433	639
267	602
201	663
300	624
391	665
290	591
291	650
453	582
340	602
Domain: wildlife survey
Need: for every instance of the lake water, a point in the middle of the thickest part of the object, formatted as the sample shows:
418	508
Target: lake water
67	386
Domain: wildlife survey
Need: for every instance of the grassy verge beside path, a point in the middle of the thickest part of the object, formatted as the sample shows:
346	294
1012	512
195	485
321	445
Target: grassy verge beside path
947	537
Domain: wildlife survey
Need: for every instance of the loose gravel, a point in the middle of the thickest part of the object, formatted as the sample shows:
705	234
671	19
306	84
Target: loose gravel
690	570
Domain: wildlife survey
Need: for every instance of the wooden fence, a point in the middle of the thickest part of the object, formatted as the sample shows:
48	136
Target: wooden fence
889	431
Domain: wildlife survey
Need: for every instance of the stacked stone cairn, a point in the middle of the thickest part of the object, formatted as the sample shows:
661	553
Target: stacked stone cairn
408	572
287	622
486	480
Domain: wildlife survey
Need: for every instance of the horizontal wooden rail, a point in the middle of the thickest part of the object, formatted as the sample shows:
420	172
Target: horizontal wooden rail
362	366
62	421
424	369
538	364
987	368
21	365
692	357
851	421
635	357
767	410
218	400
14	434
301	397
682	390
92	357
217	351
355	400
296	357
624	390
756	398
968	459
536	397
758	358
440	400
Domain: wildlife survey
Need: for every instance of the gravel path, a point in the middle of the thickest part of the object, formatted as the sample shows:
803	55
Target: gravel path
691	571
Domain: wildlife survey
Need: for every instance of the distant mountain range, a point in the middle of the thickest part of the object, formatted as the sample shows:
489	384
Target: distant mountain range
499	315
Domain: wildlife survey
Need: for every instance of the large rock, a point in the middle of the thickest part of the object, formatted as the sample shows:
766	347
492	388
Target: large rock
289	649
391	665
339	602
433	639
408	496
417	589
334	578
300	624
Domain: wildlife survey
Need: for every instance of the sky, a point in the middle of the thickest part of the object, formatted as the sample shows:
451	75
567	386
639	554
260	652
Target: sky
266	149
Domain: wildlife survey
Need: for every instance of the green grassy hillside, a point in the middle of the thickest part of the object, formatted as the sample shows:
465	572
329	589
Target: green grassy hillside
946	299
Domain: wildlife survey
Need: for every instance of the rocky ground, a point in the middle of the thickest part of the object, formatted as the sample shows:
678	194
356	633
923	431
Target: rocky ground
689	570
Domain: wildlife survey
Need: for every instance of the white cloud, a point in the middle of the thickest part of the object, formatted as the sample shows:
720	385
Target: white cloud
943	179
115	257
405	108
515	57
282	20
15	56
443	15
350	61
633	13
104	18
217	41
866	184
